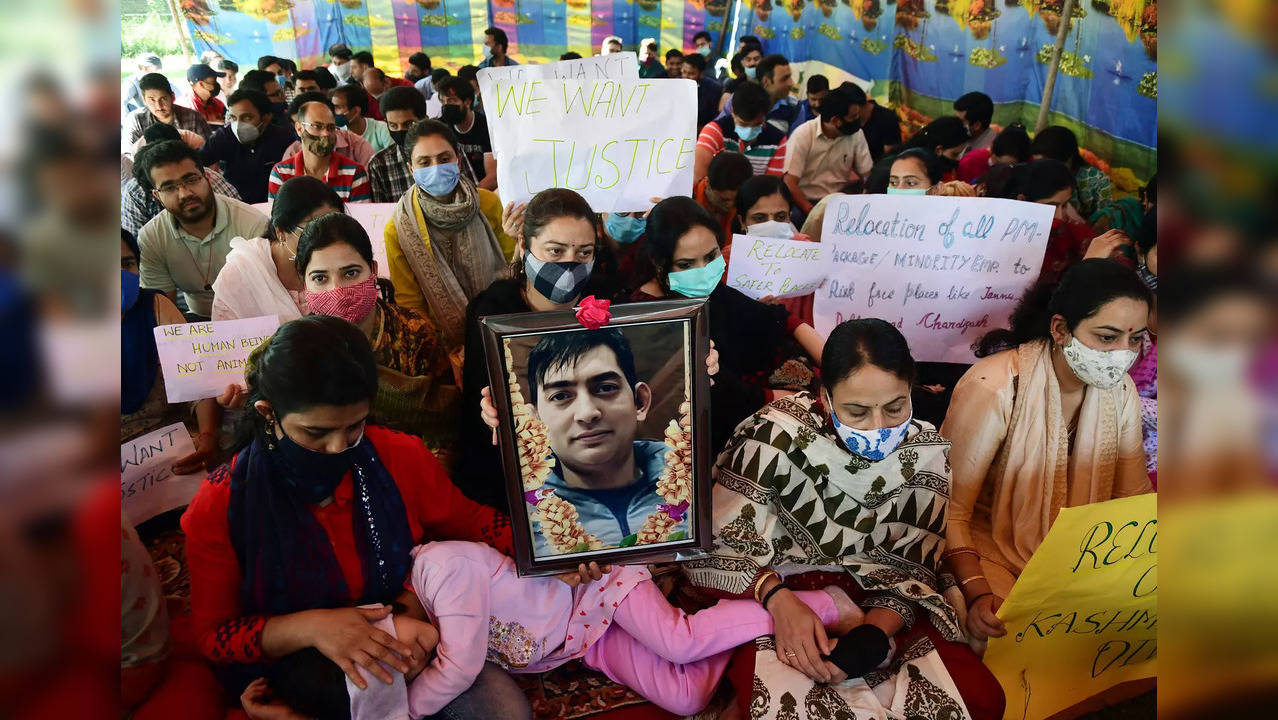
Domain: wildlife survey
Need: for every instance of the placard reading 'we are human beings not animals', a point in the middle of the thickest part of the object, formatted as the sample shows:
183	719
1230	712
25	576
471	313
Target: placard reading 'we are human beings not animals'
943	270
617	141
200	359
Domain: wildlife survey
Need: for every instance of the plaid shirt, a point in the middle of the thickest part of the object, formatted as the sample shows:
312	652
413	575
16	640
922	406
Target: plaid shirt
345	176
138	205
388	174
183	119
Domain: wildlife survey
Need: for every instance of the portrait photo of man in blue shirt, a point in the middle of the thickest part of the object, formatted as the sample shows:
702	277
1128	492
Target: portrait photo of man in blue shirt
585	390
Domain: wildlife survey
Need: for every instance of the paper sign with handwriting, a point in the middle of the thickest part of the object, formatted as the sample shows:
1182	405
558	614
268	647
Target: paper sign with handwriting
1083	615
200	359
148	486
617	142
761	266
943	270
373	217
617	66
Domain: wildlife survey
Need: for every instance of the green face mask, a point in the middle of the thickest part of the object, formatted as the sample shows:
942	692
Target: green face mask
698	282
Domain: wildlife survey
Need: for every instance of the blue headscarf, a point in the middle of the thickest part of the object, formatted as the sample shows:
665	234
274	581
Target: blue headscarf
288	560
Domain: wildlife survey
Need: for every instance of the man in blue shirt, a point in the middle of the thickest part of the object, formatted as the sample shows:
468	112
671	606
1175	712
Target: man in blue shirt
585	391
708	90
249	145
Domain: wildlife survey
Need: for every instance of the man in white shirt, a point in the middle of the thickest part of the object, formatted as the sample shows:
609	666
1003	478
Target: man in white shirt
828	153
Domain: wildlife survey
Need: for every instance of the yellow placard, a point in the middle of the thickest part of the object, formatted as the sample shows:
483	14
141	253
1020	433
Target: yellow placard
1083	615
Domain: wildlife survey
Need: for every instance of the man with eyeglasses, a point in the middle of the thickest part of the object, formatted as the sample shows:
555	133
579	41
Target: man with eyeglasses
185	246
138	204
316	125
348	143
204	91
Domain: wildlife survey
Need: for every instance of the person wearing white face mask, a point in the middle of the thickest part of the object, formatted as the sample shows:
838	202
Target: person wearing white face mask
860	431
1047	418
249	145
445	242
494	47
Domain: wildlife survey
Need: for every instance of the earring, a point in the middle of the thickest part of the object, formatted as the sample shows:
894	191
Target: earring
270	434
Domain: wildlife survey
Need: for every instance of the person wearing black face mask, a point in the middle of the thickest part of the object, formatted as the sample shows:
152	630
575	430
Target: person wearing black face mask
826	153
316	515
458	97
388	170
204	92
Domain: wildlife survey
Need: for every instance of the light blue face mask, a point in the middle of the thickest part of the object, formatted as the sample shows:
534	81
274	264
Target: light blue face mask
749	134
906	191
281	80
873	445
704	51
698	282
437	180
625	229
751	71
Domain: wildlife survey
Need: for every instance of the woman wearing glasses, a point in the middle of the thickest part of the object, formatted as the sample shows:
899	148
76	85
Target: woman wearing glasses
260	276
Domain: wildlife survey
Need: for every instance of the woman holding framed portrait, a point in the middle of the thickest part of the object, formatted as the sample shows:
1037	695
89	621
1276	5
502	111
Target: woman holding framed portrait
802	495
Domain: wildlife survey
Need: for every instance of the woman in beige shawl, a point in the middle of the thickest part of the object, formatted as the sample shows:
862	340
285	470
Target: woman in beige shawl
445	243
1051	421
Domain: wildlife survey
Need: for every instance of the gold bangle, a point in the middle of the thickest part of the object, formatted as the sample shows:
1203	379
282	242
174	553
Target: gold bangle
974	578
758	584
964	550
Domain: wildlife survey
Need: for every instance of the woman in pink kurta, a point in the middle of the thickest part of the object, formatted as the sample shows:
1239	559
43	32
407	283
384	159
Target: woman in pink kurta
620	625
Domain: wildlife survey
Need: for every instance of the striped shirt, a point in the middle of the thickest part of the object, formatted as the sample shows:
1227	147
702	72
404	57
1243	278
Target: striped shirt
345	176
389	176
766	154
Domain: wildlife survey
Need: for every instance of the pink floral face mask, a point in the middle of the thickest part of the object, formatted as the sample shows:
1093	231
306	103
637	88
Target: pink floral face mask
352	303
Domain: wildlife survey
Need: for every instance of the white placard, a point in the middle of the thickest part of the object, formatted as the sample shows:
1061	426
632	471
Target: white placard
200	359
617	66
148	486
617	142
944	270
373	216
762	267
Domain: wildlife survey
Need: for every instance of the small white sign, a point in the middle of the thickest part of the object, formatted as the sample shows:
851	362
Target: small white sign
761	267
200	359
148	486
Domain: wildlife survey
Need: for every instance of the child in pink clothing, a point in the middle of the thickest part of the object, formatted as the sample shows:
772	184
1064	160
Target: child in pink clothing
621	625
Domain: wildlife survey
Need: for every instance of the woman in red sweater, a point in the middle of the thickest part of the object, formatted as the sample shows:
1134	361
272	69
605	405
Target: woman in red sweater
316	516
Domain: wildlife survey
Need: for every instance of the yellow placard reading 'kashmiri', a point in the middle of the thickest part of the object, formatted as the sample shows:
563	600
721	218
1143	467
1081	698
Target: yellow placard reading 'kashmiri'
1083	615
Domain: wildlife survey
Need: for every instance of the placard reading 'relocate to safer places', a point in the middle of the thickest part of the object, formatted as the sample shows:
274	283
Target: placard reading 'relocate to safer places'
943	270
770	267
200	359
617	142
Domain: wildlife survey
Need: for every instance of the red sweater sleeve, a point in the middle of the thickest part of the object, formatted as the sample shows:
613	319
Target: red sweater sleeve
222	634
434	502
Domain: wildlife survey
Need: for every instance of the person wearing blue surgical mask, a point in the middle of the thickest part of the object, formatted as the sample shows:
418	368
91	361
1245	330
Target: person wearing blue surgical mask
627	230
681	259
444	242
852	448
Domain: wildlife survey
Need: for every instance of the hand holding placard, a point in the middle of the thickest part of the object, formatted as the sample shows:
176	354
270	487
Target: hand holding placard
770	267
200	359
148	485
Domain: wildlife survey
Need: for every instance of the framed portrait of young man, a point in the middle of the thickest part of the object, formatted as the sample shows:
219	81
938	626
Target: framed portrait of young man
604	434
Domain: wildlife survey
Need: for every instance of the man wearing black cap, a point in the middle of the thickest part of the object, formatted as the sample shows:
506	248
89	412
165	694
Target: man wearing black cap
204	91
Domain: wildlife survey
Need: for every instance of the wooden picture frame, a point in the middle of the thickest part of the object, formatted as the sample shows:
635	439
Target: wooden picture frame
564	453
